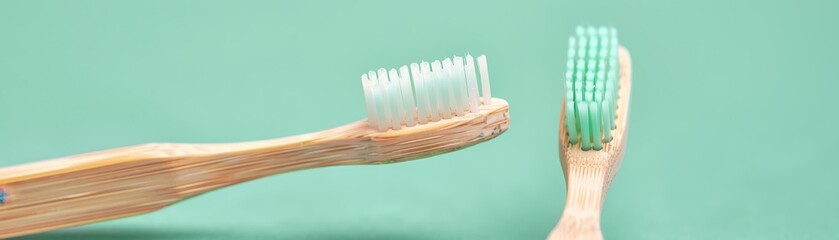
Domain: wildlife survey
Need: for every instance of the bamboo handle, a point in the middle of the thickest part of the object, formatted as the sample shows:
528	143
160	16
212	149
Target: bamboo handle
586	190
139	179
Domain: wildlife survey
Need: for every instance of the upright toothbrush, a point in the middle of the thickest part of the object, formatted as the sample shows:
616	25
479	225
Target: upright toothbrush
414	111
592	129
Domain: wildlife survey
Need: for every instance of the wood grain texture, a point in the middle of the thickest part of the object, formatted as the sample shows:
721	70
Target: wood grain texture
133	180
588	174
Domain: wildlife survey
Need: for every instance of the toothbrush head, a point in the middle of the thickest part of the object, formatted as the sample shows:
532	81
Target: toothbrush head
595	77
424	109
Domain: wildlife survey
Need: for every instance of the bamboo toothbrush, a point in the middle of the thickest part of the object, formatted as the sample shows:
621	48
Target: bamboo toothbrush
593	123
440	112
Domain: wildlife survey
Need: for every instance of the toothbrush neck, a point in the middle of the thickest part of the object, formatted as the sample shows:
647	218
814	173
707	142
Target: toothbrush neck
586	189
220	170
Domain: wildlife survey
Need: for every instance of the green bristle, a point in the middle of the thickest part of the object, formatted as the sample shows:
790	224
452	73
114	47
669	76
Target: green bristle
591	86
571	124
582	117
596	122
578	82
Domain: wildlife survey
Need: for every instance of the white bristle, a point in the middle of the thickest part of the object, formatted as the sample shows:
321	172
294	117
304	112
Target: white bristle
453	87
368	98
407	96
482	67
430	83
387	98
472	83
441	89
460	80
420	92
399	106
377	95
423	93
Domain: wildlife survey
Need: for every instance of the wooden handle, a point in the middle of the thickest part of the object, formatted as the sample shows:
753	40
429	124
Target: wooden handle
133	180
586	190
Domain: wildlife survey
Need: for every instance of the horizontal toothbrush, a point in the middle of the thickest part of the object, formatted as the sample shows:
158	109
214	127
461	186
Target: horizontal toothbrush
414	111
592	132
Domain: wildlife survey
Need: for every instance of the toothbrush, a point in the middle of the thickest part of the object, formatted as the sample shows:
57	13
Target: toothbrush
592	130
440	112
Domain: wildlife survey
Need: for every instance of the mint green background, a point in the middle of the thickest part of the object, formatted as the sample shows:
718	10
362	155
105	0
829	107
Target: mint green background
732	136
